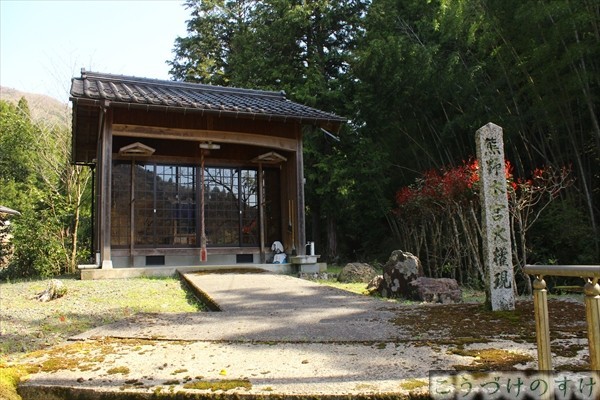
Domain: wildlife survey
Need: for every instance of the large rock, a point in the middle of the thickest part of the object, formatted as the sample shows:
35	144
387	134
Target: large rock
357	272
400	269
54	290
374	284
435	290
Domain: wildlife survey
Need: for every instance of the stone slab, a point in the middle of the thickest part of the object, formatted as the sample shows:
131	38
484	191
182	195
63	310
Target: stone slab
265	307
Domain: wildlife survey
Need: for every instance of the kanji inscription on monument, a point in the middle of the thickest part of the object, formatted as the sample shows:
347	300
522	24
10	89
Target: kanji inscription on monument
494	206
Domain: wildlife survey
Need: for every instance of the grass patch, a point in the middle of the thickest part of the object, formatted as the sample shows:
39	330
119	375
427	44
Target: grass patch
29	325
413	384
473	295
333	272
224	385
491	359
9	379
334	269
360	288
118	370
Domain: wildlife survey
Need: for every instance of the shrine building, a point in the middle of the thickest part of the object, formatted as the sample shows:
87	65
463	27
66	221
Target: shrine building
191	175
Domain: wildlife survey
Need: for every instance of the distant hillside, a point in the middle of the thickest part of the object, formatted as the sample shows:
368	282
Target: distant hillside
44	109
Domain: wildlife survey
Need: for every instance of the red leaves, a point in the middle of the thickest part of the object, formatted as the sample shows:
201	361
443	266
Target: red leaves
456	185
405	195
508	170
547	181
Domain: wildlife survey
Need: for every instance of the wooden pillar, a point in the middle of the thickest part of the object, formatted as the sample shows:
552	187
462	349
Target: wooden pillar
284	189
301	224
97	193
132	214
105	189
261	213
292	206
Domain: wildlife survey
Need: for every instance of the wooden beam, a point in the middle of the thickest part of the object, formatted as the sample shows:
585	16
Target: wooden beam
156	132
301	229
183	251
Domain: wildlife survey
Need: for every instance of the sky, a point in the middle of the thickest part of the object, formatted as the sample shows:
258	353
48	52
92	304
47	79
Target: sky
45	43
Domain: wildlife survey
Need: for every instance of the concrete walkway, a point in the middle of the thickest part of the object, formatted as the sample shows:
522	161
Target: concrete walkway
265	307
274	336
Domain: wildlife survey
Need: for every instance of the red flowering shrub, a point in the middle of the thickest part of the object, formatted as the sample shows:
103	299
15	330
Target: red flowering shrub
438	217
440	188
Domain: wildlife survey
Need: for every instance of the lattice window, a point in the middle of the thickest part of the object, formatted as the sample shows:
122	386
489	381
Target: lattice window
221	210
120	210
231	207
249	207
144	220
166	212
272	205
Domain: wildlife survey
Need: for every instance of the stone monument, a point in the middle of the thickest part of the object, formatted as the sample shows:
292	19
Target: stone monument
495	223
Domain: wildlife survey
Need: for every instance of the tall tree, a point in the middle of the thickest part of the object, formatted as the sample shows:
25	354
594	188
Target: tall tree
37	179
203	56
305	49
416	79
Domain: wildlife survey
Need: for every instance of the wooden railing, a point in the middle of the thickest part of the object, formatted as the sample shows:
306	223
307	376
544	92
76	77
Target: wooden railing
591	274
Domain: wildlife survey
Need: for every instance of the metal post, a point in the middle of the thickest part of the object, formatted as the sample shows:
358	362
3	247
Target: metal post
542	326
592	313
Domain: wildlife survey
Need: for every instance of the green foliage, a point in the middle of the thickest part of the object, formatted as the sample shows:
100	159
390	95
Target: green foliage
37	179
202	56
346	184
416	79
560	236
17	138
36	253
305	49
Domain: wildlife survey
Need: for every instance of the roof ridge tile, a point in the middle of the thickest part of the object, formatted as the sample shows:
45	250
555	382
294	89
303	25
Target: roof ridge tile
191	85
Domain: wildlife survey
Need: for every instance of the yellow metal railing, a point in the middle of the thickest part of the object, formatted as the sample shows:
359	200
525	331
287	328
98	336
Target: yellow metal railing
591	274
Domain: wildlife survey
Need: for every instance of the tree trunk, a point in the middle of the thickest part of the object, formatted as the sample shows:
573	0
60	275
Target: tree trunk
332	240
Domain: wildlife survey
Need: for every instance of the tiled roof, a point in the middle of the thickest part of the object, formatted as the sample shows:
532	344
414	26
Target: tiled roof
152	93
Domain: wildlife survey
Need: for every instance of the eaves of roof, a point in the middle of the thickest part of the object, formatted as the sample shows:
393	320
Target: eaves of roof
153	94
